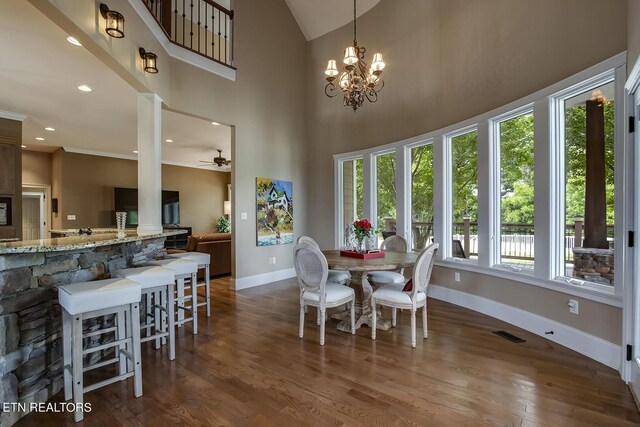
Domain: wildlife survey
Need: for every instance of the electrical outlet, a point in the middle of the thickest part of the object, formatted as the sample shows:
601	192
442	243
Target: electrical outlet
456	276
243	215
573	306
273	259
71	217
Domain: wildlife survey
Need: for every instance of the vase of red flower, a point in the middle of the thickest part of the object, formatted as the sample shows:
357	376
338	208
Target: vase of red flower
362	229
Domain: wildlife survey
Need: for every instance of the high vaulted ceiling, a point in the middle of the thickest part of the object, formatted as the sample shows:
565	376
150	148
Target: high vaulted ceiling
317	18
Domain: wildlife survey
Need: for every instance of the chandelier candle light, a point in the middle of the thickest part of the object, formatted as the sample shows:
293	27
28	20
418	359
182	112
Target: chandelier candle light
358	81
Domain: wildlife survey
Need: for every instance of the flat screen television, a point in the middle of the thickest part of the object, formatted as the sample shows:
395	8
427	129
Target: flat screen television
126	200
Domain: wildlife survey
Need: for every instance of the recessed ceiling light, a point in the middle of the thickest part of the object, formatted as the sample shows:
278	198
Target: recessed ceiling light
23	146
168	140
215	123
85	88
74	41
50	129
39	138
135	151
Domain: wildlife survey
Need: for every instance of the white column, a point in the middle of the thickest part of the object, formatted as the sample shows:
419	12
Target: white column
369	194
546	192
149	164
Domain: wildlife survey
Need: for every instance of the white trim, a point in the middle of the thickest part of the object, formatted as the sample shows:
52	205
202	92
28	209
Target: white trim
633	80
589	345
593	292
261	279
178	52
338	212
13	116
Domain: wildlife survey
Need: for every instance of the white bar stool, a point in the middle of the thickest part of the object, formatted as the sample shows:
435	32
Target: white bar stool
86	300
182	269
204	261
158	287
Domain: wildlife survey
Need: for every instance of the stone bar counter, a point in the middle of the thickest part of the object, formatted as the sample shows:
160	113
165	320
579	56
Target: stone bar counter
30	316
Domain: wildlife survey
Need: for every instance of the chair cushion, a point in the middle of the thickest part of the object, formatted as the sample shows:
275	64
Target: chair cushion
395	295
337	276
180	267
89	296
200	257
147	277
335	293
385	277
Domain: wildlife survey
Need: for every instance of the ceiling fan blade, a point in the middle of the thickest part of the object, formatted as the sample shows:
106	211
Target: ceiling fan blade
207	161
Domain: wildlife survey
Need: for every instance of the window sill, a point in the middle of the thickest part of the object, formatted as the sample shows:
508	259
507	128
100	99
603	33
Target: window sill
594	292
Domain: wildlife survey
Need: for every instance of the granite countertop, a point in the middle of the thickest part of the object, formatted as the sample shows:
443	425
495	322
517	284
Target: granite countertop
76	231
78	242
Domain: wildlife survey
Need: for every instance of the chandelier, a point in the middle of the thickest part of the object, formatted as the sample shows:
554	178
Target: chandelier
358	81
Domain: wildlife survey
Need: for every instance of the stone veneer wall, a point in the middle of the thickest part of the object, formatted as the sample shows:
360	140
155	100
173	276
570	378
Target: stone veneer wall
594	265
30	316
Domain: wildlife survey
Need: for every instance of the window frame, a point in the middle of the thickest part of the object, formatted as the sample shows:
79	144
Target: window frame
495	172
545	150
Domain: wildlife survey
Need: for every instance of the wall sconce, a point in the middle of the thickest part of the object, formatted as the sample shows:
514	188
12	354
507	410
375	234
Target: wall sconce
227	207
115	21
149	60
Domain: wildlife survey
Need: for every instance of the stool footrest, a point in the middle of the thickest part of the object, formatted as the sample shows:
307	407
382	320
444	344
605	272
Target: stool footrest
105	346
99	332
157	335
100	364
107	382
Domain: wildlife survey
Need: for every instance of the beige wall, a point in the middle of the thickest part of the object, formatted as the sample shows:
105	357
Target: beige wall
87	184
633	33
447	61
36	168
266	103
601	320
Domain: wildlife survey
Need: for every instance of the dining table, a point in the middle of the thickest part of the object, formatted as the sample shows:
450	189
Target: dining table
359	268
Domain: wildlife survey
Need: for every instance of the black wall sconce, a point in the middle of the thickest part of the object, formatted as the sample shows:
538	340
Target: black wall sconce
115	21
149	59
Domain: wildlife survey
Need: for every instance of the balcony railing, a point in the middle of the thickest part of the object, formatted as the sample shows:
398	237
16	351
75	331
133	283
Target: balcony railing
516	240
200	26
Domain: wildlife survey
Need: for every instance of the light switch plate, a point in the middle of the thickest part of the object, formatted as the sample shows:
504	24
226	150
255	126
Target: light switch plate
71	217
243	215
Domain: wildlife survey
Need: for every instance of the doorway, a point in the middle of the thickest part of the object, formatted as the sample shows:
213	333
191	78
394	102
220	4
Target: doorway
33	222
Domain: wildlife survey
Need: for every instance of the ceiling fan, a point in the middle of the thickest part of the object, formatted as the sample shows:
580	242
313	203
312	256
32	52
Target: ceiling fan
220	161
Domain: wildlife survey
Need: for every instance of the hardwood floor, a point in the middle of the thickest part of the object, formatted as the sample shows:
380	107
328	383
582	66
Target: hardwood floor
247	367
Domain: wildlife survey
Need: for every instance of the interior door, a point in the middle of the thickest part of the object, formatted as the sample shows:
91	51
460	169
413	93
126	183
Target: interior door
634	382
31	217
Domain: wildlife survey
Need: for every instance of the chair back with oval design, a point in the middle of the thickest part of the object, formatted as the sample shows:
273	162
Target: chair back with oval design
394	244
311	268
422	269
307	240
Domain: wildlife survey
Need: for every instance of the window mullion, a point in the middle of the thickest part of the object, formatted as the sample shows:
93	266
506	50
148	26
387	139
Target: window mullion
442	231
403	193
486	170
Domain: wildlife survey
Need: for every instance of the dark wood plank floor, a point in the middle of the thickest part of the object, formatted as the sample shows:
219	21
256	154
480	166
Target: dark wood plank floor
247	367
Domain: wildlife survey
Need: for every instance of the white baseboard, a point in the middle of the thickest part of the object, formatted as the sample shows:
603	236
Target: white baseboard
589	345
262	279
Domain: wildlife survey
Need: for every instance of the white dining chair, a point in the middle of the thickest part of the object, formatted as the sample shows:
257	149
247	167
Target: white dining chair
312	271
380	278
335	276
394	295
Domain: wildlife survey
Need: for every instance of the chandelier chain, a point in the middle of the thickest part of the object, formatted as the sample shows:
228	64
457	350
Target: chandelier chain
355	42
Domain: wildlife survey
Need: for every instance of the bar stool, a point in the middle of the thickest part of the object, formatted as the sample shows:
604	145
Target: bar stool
158	287
204	261
182	269
86	300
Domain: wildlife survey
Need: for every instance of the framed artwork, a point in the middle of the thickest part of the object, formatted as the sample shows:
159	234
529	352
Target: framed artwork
274	212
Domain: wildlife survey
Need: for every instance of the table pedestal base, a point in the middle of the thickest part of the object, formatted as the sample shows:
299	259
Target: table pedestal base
361	319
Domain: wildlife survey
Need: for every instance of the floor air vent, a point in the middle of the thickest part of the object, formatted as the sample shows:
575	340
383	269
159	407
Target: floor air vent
506	335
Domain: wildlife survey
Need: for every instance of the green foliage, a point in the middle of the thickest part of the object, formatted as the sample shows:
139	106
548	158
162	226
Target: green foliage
223	225
516	172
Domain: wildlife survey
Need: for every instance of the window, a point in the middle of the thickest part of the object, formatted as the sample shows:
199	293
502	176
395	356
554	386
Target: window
421	196
386	195
516	192
353	198
589	184
464	195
